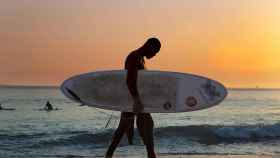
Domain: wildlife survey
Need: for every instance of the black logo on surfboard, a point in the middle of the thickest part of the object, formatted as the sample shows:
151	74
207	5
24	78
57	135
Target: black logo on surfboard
167	106
191	101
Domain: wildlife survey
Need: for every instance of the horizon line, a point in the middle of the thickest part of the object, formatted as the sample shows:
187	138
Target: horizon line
57	86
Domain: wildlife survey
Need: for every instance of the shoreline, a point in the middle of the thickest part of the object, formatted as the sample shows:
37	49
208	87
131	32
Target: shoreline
193	155
210	155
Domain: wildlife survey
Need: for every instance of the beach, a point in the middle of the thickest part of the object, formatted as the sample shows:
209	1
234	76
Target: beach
219	156
198	156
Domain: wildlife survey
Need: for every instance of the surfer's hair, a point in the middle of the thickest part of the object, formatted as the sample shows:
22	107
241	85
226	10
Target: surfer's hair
153	43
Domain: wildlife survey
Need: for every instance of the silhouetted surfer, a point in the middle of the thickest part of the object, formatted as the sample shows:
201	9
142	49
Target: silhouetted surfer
134	62
48	106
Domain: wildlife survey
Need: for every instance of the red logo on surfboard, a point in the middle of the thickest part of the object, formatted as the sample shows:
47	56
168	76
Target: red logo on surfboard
191	101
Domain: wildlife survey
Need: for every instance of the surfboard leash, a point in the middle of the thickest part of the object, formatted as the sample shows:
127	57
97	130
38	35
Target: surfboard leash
109	120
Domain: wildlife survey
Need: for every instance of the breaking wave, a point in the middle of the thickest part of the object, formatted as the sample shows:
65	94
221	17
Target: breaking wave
204	134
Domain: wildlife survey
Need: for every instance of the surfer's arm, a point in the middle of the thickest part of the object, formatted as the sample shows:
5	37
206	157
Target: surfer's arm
131	82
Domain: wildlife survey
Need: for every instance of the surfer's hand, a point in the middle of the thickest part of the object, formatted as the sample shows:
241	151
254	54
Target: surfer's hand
138	106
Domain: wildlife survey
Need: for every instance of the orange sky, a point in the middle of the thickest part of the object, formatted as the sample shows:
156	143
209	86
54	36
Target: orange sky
235	42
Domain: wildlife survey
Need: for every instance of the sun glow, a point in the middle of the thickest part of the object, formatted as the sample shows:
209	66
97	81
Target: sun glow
236	42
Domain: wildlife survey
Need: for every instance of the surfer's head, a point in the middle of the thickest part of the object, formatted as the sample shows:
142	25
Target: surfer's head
151	47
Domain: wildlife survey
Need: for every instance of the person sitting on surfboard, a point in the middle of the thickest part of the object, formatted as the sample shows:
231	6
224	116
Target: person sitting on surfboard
48	106
134	62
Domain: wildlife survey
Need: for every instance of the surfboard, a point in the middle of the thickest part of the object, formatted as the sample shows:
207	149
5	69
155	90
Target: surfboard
160	91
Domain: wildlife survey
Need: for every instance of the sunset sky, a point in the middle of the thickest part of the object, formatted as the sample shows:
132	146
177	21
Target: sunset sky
236	42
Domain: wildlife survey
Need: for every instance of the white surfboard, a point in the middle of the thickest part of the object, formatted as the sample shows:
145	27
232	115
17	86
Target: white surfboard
160	91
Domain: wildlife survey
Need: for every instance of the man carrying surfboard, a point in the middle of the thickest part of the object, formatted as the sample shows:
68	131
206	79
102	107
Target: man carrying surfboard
134	62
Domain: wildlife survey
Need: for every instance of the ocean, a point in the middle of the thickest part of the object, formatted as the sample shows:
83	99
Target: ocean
247	122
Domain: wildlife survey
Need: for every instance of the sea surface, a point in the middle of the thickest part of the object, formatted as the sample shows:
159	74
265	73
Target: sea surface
247	122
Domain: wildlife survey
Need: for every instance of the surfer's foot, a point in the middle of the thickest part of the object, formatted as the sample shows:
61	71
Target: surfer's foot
108	156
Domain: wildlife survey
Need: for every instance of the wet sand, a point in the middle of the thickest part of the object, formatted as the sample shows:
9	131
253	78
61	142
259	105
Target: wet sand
204	156
219	156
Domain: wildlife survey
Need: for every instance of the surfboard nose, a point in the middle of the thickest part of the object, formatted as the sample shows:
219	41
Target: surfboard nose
67	89
73	94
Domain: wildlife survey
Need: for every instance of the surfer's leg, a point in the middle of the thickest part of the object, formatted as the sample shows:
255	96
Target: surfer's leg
145	125
116	138
130	126
130	133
